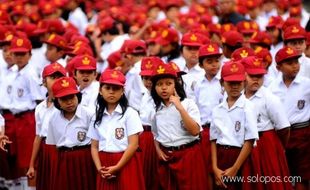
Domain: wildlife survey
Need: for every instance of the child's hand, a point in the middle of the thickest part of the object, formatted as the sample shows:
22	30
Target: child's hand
231	172
109	172
162	155
218	174
175	99
4	140
30	173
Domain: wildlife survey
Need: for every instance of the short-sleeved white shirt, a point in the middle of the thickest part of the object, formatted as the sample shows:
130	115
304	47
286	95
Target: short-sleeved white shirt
62	132
7	79
271	114
90	94
147	109
168	126
190	79
78	18
295	98
232	126
114	129
42	116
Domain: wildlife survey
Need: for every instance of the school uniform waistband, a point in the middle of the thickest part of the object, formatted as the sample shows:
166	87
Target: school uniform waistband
300	125
181	147
147	128
66	149
227	146
6	111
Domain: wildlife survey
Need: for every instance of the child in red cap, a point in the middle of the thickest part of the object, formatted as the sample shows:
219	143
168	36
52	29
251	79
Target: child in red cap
67	129
42	153
268	156
55	50
293	90
233	129
176	127
115	136
231	41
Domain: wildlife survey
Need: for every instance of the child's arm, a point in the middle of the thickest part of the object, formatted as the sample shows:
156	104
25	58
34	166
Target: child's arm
218	173
34	155
95	156
244	153
284	135
160	153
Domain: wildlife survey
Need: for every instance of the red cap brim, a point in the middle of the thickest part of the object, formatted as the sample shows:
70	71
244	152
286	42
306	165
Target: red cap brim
114	82
66	93
19	50
234	78
256	71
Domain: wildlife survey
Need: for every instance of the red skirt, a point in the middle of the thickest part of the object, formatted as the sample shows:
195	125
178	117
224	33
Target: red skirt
129	177
46	168
149	160
75	170
185	170
4	165
298	152
270	161
206	148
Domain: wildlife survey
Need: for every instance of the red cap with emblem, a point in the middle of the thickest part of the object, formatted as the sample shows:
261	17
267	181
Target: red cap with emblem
112	76
84	62
133	47
192	39
168	36
232	38
114	60
286	53
247	27
294	32
148	64
163	69
53	68
233	71
275	21
64	86
20	44
254	65
261	38
106	23
210	49
56	40
265	55
241	53
176	68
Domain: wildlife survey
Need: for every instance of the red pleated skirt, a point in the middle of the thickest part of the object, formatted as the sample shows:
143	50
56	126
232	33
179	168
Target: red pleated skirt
75	170
270	161
206	148
4	165
185	170
298	152
130	177
149	160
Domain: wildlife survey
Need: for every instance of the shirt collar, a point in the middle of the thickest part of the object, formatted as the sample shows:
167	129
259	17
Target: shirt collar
118	109
239	103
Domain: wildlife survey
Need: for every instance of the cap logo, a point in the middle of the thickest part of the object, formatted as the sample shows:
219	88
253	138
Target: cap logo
223	40
203	27
160	70
254	26
114	75
19	42
47	6
258	49
190	21
40	24
0	13
119	63
227	27
246	24
295	30
76	49
9	37
218	26
289	51
294	10
210	48
266	40
244	53
174	66
153	34
78	43
193	37
148	65
164	34
51	37
62	43
85	61
234	68
56	66
64	83
268	58
257	62
271	20
250	3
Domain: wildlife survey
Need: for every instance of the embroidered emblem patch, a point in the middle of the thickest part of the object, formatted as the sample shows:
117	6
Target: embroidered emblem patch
237	126
119	133
9	89
301	104
20	92
81	136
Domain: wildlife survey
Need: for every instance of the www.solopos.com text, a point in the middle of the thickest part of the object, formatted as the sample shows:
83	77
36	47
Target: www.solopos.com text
262	179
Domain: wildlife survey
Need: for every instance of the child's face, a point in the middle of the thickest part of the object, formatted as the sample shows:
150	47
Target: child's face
147	82
52	54
274	33
111	93
211	65
254	82
190	54
68	103
307	52
165	87
233	88
289	68
21	58
7	56
84	77
153	49
49	80
299	45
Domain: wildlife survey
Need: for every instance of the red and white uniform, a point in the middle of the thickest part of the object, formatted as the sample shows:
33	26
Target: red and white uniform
90	94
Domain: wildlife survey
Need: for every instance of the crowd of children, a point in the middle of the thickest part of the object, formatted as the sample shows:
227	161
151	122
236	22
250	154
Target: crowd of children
161	95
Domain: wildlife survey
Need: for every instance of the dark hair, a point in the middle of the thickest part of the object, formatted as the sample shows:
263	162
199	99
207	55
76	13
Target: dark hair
174	53
112	31
178	87
101	105
233	48
57	105
202	58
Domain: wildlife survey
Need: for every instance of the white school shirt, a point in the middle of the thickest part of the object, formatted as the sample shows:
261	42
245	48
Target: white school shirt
147	109
7	78
168	127
271	114
38	60
304	66
42	115
193	75
295	98
232	126
208	94
78	18
114	129
89	95
62	132
26	90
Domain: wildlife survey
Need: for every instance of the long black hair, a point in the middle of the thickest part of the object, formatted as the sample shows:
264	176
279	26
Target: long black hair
178	87
101	105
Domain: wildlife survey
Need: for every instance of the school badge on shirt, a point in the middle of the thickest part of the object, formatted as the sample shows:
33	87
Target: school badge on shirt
81	136
119	133
20	92
237	126
9	89
301	104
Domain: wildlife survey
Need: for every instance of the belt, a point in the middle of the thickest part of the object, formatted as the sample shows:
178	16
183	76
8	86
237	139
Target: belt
300	125
206	125
181	147
147	128
6	111
66	149
227	146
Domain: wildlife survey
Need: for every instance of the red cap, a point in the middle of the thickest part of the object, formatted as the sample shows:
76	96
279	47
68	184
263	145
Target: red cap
286	53
251	4
275	21
209	49
241	53
192	39
148	65
114	60
233	71
111	76
133	47
176	68
56	40
55	26
47	8
53	68
261	38
247	27
294	32
20	44
228	27
264	54
64	86
295	2
82	49
295	11
4	17
214	28
232	38
253	65
290	22
164	69
168	36
84	62
106	23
